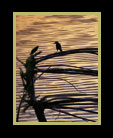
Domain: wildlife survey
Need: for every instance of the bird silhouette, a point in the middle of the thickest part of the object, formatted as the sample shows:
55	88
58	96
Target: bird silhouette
58	46
34	50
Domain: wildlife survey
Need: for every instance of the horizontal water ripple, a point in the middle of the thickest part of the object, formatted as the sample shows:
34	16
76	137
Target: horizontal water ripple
76	31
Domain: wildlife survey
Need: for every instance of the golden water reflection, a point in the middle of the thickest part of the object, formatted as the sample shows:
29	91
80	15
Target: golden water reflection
73	32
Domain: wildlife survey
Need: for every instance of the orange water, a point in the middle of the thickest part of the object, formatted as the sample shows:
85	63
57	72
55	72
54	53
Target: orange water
73	32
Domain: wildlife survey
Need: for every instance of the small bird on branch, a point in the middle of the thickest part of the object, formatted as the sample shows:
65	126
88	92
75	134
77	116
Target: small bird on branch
58	46
34	50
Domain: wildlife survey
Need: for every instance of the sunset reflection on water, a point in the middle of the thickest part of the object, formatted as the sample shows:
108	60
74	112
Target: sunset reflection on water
73	32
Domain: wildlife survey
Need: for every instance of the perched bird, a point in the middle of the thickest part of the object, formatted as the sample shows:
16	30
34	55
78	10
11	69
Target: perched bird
34	50
58	46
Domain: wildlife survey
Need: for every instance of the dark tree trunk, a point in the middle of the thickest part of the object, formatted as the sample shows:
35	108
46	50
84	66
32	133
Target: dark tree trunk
39	111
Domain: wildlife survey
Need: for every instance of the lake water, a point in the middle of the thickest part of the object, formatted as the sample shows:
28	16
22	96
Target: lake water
73	32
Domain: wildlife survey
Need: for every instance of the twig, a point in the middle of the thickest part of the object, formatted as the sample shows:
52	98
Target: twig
20	61
63	80
42	73
73	115
64	65
79	108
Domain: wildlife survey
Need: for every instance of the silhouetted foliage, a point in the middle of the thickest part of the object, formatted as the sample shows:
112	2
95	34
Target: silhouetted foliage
57	102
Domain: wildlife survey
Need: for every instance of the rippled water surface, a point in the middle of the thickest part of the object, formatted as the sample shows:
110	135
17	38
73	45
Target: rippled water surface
73	32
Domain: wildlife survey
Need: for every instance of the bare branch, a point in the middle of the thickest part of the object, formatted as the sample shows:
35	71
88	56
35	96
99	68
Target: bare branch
63	53
71	71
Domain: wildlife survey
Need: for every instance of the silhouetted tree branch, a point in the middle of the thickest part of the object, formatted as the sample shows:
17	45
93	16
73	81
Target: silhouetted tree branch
54	102
64	53
70	71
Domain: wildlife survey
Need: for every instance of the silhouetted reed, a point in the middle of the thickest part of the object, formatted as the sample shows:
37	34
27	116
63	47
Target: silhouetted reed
57	102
